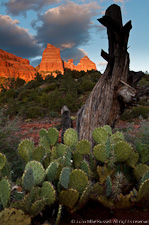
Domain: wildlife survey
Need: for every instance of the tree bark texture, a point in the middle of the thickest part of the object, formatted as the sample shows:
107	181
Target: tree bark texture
104	104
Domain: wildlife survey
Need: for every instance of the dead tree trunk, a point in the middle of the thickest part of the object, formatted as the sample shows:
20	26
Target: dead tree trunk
105	102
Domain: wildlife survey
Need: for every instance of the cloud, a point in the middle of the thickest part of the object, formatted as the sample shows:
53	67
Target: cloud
17	40
16	7
67	25
72	53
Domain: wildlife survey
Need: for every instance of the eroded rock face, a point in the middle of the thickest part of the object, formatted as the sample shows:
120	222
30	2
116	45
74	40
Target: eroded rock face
84	64
14	66
51	60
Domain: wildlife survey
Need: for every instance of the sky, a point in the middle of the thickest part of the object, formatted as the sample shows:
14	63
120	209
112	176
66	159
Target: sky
26	26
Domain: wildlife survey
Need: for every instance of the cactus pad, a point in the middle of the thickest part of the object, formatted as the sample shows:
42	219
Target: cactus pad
53	135
44	140
109	187
103	172
122	151
70	137
2	161
38	153
85	167
48	192
61	150
5	192
133	159
143	191
83	147
28	179
99	152
100	135
25	149
13	216
69	198
37	207
140	170
38	171
64	177
107	129
145	177
51	171
77	159
78	180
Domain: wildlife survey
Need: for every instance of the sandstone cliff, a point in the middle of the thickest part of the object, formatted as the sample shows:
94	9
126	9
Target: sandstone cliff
84	64
14	66
51	60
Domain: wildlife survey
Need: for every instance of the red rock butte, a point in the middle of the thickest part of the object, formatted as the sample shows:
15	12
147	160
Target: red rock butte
14	66
51	62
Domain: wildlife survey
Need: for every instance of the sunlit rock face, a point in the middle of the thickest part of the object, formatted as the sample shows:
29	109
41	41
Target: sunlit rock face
51	60
14	66
84	64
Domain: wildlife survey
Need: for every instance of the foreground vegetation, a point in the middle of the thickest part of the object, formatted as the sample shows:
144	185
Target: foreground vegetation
57	176
45	97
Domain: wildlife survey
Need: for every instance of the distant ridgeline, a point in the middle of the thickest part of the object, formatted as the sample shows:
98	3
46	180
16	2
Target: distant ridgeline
14	66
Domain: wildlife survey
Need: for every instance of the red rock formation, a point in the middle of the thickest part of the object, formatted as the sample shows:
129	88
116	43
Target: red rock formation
14	66
51	60
84	64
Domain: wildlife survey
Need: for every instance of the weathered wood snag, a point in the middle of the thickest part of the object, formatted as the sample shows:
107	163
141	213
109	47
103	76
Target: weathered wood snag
107	99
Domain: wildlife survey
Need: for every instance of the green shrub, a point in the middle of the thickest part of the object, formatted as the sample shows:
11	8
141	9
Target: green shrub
53	114
10	137
33	112
140	111
50	87
136	112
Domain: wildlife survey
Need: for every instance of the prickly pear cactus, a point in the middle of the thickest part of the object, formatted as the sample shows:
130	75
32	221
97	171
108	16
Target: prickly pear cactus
83	198
83	147
99	152
2	161
108	129
38	153
44	140
38	171
61	150
77	159
64	177
85	167
69	198
100	135
53	135
13	216
48	192
108	186
140	170
5	191
25	149
133	159
37	207
103	172
143	191
78	180
122	151
51	171
116	137
28	179
70	137
145	177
